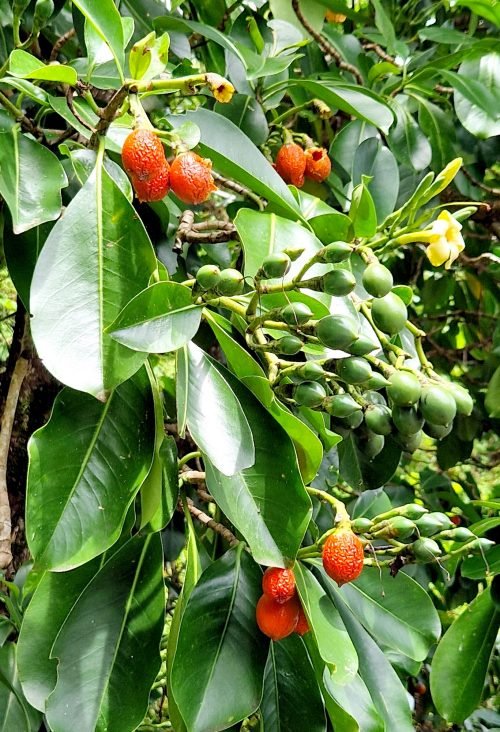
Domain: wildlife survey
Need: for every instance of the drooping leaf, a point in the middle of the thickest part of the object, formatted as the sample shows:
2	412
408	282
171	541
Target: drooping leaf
477	96
362	212
106	21
406	139
114	630
439	128
360	472
354	710
95	260
15	712
78	499
225	651
375	160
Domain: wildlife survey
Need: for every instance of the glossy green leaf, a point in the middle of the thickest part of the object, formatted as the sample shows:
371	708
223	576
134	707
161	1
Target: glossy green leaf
362	212
332	227
247	114
440	130
354	710
81	164
169	23
332	639
461	660
26	66
95	260
15	713
235	156
375	160
477	96
480	566
291	700
225	651
48	608
210	409
31	178
21	254
347	141
395	610
492	400
78	499
485	8
267	502
160	319
106	21
360	472
117	620
406	139
36	93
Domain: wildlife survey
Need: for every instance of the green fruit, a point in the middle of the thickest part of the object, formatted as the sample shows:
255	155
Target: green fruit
461	396
438	431
399	528
480	545
378	419
411	442
208	276
376	381
460	534
404	388
309	394
412	511
230	282
289	345
337	251
426	550
373	397
337	331
341	405
406	420
353	421
363	345
354	370
433	523
437	405
294	252
377	280
311	371
373	445
296	313
276	265
361	524
339	282
389	313
446	522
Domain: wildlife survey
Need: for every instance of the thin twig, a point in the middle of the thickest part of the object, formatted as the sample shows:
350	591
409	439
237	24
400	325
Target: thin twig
380	52
482	186
108	114
60	43
19	115
231	185
193	476
207	521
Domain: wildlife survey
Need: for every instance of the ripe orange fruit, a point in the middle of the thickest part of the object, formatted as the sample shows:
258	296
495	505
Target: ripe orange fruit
191	178
275	619
279	584
154	188
144	160
343	556
318	165
302	626
291	164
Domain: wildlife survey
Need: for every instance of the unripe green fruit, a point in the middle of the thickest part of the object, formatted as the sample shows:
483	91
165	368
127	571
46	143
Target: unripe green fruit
230	282
378	419
426	550
337	331
354	370
438	431
341	405
373	445
376	381
294	252
354	420
460	534
461	396
446	522
363	345
433	523
311	371
42	14
406	420
337	251
296	313
389	313
413	511
399	528
437	405
361	524
404	388
289	345
339	282
373	397
480	545
377	280
411	442
276	265
208	276
309	394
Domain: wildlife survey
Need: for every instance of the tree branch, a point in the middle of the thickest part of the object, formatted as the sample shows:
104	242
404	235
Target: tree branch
209	522
60	43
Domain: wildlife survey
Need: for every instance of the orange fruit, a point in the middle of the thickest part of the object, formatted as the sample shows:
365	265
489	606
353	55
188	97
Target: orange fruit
144	160
302	626
154	188
191	178
343	556
275	619
318	165
279	584
291	164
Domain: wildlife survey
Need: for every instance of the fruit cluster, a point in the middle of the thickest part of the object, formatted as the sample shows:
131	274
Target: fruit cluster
279	612
227	282
189	176
294	164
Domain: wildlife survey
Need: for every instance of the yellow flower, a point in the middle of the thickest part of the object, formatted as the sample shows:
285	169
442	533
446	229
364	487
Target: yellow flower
445	240
221	88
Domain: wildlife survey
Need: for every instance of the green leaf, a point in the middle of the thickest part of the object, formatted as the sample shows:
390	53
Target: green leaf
116	621
396	611
314	13
291	700
96	259
210	409
21	254
378	162
360	472
362	212
81	163
26	66
169	23
15	712
461	660
406	139
355	710
148	57
274	523
78	499
485	8
106	21
480	566
492	400
236	157
247	114
345	144
225	650
332	227
31	178
477	96
160	319
52	600
332	639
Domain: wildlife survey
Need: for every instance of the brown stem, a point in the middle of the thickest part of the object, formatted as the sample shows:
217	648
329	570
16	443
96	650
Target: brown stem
108	114
479	184
210	523
231	185
60	43
380	52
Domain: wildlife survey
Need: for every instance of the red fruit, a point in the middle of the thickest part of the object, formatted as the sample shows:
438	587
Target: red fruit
154	188
191	178
279	584
291	164
455	519
302	626
343	556
275	619
420	688
143	155
318	165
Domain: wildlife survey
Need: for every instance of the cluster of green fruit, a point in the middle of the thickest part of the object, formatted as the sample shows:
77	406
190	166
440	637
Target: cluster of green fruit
226	282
